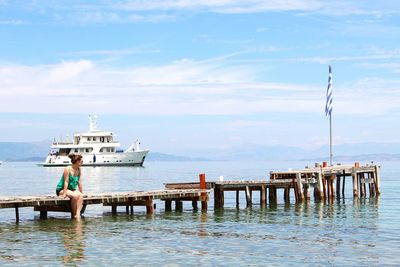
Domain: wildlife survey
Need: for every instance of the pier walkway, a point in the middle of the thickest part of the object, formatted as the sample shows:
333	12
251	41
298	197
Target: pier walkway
44	204
322	179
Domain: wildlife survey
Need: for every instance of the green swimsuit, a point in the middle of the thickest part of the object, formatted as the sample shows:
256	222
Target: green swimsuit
72	182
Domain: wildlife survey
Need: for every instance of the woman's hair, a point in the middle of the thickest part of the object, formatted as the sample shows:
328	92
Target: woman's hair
74	158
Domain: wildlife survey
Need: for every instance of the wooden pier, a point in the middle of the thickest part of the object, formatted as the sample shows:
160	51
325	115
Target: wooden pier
322	179
328	183
44	204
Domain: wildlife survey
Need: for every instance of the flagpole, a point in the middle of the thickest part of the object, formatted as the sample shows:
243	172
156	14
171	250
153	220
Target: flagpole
330	139
328	111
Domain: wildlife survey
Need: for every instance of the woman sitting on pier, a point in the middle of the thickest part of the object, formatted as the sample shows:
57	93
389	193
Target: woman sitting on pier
70	181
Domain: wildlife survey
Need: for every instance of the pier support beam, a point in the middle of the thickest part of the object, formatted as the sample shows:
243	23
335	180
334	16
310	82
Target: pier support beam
16	214
263	193
355	181
149	205
168	205
320	186
377	181
248	196
203	186
299	187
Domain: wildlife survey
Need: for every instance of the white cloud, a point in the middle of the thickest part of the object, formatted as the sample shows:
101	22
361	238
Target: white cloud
66	71
182	87
12	22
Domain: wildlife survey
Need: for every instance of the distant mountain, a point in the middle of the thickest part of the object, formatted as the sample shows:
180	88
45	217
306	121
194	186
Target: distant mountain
14	151
155	156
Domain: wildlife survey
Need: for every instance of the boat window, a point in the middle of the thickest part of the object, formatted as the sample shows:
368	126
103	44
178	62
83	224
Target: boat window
76	150
88	138
94	138
101	150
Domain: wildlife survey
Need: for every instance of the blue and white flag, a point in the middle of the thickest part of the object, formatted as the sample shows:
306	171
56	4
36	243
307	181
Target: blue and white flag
329	104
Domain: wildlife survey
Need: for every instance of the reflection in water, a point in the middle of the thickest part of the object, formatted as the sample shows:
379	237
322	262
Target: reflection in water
202	228
74	244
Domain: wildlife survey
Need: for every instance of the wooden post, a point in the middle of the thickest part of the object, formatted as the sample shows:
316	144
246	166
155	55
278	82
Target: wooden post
296	191
324	187
149	205
287	194
16	214
237	198
377	181
355	181
272	194
371	185
263	198
178	205
203	185
248	196
306	192
43	214
217	200
361	184
194	205
300	187
113	210
218	196
320	186
328	188
168	205
344	180
338	186
332	180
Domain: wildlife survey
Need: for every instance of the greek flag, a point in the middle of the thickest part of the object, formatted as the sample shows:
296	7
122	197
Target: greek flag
329	104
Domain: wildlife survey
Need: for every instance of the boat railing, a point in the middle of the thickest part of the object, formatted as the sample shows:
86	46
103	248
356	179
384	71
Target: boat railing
63	143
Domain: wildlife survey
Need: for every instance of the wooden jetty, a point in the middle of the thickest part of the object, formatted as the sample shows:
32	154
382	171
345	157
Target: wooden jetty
321	178
44	204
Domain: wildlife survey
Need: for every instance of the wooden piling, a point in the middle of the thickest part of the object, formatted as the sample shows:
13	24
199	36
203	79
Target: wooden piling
299	187
237	198
320	186
16	214
263	192
149	205
296	191
113	210
178	205
377	181
344	182
355	182
338	186
203	186
248	196
194	205
168	205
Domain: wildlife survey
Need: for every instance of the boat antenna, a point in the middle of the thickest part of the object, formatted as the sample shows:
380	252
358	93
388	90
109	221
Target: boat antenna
92	123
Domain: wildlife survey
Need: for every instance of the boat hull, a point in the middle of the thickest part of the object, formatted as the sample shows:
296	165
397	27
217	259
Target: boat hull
135	158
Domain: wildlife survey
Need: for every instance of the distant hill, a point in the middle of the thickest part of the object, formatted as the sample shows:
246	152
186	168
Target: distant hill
37	151
155	156
15	151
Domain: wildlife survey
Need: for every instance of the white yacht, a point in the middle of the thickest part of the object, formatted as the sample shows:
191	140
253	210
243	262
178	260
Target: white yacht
98	148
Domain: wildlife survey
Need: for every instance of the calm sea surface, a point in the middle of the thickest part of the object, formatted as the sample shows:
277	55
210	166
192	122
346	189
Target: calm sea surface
348	232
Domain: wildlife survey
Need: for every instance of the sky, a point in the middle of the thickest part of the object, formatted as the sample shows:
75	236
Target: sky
191	76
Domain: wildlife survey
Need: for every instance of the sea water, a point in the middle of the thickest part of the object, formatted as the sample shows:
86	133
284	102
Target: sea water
352	232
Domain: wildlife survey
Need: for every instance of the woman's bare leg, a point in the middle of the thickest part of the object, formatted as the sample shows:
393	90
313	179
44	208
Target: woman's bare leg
76	198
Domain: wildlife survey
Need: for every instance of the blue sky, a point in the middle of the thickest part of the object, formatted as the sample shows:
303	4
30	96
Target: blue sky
190	76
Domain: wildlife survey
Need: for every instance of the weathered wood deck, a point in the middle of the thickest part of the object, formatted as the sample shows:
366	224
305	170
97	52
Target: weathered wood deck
44	204
321	178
